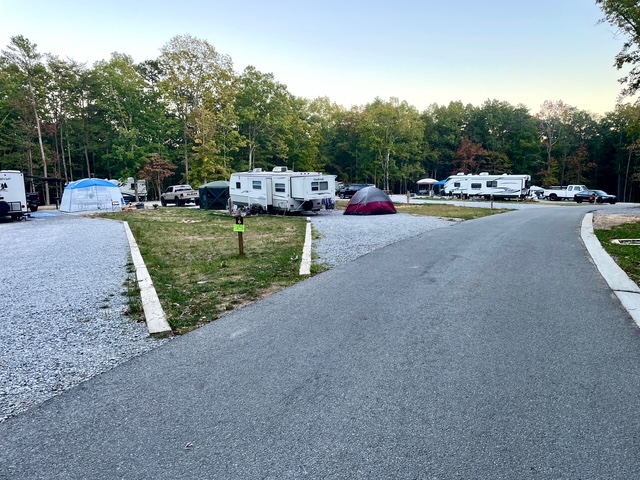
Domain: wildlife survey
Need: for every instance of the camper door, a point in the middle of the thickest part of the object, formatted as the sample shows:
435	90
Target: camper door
258	189
281	192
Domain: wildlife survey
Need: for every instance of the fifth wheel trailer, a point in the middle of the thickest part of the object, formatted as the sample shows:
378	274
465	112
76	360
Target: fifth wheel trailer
281	190
484	185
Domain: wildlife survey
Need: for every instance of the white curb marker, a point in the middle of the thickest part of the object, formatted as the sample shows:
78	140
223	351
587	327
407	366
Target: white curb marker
625	289
305	264
153	312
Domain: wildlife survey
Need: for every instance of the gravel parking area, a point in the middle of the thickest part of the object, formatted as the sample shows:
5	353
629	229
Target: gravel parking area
346	237
64	306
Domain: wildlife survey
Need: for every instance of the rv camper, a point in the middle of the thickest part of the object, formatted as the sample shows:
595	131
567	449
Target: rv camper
13	197
281	190
129	188
485	186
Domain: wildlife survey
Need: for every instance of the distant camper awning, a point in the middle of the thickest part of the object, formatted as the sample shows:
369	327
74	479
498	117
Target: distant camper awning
427	181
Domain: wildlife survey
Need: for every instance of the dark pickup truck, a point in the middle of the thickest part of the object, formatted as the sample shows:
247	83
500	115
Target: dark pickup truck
33	200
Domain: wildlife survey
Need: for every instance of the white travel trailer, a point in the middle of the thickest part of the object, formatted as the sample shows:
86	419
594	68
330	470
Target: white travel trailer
13	196
484	185
129	188
281	190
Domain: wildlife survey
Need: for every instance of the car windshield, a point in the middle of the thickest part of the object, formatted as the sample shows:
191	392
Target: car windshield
598	192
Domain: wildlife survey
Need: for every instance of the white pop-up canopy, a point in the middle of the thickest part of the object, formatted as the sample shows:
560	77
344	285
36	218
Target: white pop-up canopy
91	195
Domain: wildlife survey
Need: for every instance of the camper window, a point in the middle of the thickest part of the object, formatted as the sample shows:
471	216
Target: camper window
238	185
476	186
316	186
280	187
456	184
257	185
492	183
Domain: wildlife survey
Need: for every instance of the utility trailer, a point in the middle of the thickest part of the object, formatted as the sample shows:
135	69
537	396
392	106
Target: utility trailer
483	185
281	190
13	196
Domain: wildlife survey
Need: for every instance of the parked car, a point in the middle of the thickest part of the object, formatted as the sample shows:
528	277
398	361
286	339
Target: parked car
128	198
348	191
595	196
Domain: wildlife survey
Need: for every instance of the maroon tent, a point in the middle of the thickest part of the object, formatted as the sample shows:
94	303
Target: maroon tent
370	201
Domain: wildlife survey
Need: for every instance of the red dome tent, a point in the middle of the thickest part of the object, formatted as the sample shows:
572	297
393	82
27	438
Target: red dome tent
370	201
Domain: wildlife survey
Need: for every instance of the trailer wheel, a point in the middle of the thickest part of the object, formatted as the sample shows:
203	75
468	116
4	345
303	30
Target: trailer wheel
163	202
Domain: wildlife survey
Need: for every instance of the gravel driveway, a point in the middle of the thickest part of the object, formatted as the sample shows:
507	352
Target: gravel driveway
64	306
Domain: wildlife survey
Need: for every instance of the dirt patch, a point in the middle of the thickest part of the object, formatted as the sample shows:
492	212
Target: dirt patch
608	221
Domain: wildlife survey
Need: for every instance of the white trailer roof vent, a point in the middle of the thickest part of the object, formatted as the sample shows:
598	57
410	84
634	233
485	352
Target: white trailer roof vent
483	173
460	174
257	170
280	169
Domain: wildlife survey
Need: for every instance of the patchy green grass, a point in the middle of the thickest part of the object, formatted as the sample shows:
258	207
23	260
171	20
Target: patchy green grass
626	256
439	210
193	258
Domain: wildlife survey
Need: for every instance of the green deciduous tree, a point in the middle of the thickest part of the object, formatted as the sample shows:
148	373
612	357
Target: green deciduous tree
393	131
197	83
262	108
625	15
24	56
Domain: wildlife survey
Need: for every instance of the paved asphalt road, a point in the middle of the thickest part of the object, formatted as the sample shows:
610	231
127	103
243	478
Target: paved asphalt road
492	349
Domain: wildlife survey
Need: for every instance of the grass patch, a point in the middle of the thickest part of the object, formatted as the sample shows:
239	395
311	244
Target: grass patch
193	258
626	256
439	210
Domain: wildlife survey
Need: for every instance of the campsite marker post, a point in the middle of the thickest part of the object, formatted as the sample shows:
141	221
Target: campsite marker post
239	227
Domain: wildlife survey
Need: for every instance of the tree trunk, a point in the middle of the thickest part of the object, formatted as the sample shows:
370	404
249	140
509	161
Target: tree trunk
64	163
44	158
86	156
626	177
69	157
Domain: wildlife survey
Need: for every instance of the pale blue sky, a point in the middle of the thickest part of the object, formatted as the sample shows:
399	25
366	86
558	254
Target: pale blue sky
424	52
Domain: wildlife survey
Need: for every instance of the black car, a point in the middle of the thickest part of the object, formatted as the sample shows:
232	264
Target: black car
595	196
348	191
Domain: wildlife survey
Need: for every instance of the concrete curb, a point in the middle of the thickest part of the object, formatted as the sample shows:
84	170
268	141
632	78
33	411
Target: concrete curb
305	264
625	289
153	312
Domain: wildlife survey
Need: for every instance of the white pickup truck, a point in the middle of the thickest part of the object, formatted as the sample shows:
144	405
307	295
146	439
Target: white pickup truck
563	193
180	195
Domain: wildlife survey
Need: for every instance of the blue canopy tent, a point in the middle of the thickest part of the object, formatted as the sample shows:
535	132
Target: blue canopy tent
438	186
91	195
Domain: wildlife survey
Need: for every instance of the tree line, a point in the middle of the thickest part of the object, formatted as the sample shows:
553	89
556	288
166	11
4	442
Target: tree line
189	117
